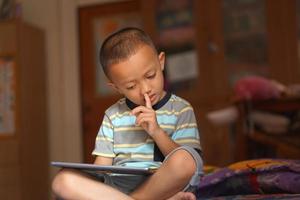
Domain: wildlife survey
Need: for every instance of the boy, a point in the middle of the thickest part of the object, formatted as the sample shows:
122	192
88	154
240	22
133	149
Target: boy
145	128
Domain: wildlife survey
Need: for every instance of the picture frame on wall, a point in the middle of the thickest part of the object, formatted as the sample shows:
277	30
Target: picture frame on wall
7	96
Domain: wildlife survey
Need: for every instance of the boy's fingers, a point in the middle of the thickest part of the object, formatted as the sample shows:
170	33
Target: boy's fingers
148	101
145	108
138	110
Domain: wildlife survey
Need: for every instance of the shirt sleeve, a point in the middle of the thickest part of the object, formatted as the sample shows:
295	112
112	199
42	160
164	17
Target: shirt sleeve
104	139
186	131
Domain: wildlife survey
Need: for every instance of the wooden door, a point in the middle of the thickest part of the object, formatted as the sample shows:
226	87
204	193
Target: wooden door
213	91
96	23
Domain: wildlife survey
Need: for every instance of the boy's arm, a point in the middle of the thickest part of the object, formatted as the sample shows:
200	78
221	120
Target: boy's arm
101	160
146	118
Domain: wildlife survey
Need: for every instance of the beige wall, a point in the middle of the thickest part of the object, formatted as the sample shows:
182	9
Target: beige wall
58	19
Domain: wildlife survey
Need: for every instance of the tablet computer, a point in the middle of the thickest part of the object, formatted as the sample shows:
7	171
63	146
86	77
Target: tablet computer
104	168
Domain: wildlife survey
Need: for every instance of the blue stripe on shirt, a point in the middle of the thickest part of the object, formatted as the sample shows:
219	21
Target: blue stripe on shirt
185	133
124	121
166	119
107	132
143	149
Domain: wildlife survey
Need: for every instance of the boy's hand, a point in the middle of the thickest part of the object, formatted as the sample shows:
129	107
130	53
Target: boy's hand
146	117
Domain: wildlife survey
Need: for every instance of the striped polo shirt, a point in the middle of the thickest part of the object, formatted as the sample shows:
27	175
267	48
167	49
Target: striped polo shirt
129	145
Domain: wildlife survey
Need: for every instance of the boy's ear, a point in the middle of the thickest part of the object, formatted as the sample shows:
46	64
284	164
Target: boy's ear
161	58
114	87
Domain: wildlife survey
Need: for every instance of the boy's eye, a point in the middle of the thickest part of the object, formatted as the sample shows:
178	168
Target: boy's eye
130	87
151	76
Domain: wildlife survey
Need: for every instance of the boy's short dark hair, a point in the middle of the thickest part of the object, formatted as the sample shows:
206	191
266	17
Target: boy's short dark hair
121	45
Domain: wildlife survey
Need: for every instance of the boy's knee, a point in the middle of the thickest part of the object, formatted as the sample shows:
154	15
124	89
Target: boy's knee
182	163
63	181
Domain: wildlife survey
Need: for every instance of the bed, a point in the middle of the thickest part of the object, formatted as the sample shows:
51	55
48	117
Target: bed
252	179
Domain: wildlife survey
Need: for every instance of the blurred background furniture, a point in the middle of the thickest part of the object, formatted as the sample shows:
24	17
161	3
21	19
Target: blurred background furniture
23	134
255	141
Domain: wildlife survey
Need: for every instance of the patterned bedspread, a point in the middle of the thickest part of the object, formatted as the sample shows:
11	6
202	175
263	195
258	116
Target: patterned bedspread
253	179
256	197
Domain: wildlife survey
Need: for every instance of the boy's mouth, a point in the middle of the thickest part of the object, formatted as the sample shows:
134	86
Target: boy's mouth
152	98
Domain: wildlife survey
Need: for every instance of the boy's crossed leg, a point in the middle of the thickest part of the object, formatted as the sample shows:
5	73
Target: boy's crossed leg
172	177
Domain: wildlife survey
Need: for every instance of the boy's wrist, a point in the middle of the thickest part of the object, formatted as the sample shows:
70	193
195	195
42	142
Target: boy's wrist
157	133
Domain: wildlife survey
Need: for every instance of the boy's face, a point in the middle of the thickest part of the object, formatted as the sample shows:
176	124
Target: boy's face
138	75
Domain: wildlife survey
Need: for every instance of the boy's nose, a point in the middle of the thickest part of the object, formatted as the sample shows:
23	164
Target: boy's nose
145	88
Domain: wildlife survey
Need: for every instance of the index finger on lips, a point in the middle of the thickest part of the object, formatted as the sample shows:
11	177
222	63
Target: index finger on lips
148	101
